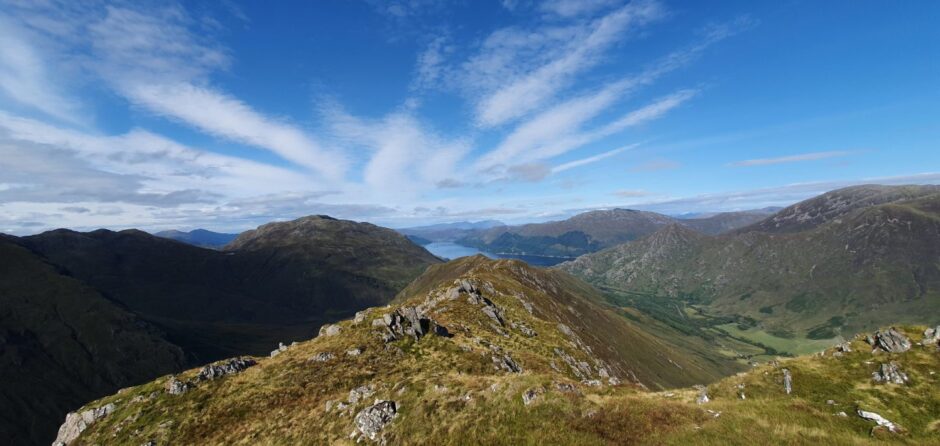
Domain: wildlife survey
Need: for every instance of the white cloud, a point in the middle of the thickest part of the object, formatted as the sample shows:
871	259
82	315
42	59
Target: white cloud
591	159
519	96
227	117
575	8
791	159
25	77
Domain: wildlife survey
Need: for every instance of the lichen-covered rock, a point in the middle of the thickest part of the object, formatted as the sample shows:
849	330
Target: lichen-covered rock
892	341
177	387
702	397
889	373
76	423
878	419
360	393
329	330
371	420
229	367
505	362
322	357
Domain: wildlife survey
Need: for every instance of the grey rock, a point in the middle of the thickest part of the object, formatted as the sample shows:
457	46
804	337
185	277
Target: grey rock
530	395
493	313
592	382
371	420
329	330
787	381
506	363
360	317
354	352
177	387
76	423
229	367
702	397
889	373
322	357
892	341
844	347
931	336
360	393
878	419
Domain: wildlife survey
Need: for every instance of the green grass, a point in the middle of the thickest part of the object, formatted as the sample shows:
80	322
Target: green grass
791	345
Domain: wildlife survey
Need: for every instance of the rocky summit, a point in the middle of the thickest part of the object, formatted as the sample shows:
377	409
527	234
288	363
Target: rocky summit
480	351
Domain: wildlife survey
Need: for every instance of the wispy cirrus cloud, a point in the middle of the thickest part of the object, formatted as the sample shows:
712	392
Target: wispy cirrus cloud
813	156
535	86
592	159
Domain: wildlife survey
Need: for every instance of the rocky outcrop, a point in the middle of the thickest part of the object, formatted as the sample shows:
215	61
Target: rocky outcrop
889	373
208	373
76	423
322	357
371	420
230	367
891	341
176	387
408	321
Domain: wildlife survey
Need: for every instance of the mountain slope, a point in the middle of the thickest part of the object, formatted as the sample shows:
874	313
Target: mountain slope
442	369
850	271
199	237
61	344
278	284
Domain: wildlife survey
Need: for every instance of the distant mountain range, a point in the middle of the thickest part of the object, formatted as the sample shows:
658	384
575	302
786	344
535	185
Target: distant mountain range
199	237
84	314
447	232
595	230
846	261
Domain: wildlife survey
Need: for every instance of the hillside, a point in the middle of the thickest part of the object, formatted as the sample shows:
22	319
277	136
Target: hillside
62	343
199	237
855	270
277	284
595	230
506	354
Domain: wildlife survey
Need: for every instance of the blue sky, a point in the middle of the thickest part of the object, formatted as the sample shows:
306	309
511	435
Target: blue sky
226	115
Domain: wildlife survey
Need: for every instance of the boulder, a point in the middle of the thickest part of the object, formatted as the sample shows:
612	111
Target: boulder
931	336
889	373
878	419
371	420
354	352
787	381
329	330
891	341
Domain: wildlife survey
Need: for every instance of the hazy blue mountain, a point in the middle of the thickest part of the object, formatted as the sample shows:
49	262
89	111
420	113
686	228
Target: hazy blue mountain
199	237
